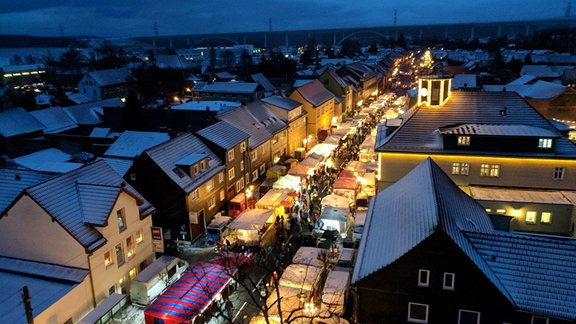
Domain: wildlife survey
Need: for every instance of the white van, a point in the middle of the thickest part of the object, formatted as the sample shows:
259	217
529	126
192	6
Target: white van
359	219
155	278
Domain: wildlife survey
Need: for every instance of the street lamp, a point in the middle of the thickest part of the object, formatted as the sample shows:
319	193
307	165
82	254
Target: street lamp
248	194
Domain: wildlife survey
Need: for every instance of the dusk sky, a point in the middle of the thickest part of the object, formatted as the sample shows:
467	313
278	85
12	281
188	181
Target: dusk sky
130	18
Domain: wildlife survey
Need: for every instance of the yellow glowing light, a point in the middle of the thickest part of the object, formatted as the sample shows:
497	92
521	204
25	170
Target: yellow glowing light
516	212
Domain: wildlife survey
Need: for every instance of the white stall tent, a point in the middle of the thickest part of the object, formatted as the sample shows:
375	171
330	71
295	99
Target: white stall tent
250	225
335	201
335	291
336	218
309	255
305	277
288	182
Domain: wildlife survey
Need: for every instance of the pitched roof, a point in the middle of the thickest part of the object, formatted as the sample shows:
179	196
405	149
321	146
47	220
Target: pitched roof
54	119
263	80
48	160
495	130
17	121
91	113
223	134
281	102
131	143
419	131
541	90
397	222
227	87
111	76
539	272
315	93
168	155
87	192
47	284
244	121
263	115
14	181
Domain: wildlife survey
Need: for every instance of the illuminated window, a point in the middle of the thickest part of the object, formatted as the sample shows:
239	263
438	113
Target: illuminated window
240	185
463	140
195	194
488	210
417	313
121	219
253	155
212	202
423	278
242	147
129	246
231	174
468	317
108	258
254	175
139	236
230	155
489	170
133	272
545	143
448	281
242	165
120	254
546	218
210	185
262	168
220	177
558	173
460	168
222	195
530	217
501	211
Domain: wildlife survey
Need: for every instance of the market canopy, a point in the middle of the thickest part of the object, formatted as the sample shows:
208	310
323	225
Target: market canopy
335	201
190	295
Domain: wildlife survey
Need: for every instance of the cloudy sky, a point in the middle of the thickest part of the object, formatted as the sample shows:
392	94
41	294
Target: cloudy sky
129	18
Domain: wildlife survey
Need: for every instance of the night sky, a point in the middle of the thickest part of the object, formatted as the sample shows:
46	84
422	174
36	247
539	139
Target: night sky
131	18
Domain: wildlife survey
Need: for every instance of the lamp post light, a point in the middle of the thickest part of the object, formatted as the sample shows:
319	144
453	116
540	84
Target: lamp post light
248	195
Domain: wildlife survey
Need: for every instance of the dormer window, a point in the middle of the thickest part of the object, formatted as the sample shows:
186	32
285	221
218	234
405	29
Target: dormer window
545	143
463	140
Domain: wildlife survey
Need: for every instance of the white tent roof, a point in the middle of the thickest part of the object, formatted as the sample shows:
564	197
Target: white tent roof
335	201
308	255
251	219
300	276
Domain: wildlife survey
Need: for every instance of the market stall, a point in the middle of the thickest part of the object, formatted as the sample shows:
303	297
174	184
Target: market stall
191	295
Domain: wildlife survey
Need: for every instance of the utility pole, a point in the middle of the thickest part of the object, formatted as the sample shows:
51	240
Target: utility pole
27	305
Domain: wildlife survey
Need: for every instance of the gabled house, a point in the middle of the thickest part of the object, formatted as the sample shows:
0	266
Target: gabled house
429	254
482	139
259	142
130	144
88	219
185	181
291	113
236	91
17	126
364	76
319	104
106	84
272	124
341	88
230	145
269	88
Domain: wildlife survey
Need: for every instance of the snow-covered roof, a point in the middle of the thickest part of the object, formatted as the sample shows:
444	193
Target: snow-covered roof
207	105
281	102
244	121
464	81
167	155
417	133
54	119
498	130
14	181
396	222
111	76
539	272
47	160
89	192
315	93
223	134
263	80
17	121
519	195
541	90
300	276
309	255
251	219
131	143
47	284
227	87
